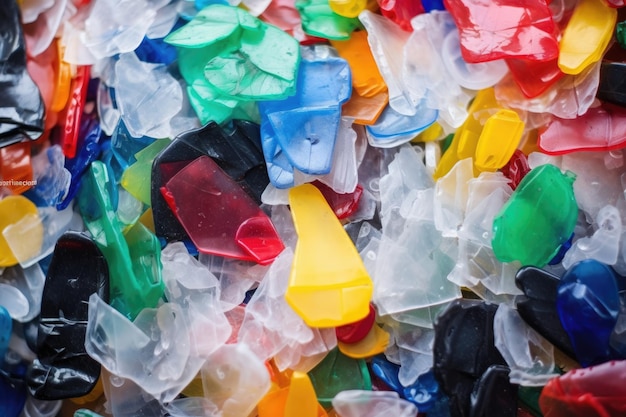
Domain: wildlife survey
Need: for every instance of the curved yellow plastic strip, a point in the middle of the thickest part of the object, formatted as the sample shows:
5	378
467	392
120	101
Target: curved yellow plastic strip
374	343
329	285
14	209
301	400
500	137
586	36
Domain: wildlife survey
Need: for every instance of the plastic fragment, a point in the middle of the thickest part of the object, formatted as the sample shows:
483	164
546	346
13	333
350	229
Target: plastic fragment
337	290
554	219
62	368
353	403
15	209
319	19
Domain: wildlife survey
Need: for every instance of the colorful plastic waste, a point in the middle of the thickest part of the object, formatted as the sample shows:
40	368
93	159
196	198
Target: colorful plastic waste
312	208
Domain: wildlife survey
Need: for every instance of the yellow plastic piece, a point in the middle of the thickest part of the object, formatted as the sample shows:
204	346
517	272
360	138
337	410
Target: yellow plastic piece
466	137
500	137
194	389
329	285
586	36
348	8
296	400
528	143
432	133
14	209
374	343
366	79
63	81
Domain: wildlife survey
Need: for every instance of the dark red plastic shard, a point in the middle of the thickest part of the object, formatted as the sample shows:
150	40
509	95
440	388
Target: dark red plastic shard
355	332
597	391
534	77
600	129
516	168
344	205
219	217
496	29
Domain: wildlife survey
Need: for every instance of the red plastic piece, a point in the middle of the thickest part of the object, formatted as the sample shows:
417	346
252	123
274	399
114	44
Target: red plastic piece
344	205
496	29
284	15
596	391
219	217
15	167
600	129
516	168
534	77
401	11
70	118
355	332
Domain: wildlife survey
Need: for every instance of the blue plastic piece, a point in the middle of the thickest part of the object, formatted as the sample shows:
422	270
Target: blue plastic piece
201	4
125	146
88	151
300	131
430	5
424	392
6	328
12	398
392	128
588	305
562	251
156	51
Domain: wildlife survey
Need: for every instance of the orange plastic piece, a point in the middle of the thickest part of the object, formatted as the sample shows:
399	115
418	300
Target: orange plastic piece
329	285
16	172
13	209
96	392
296	400
586	35
365	110
63	81
500	137
374	343
366	78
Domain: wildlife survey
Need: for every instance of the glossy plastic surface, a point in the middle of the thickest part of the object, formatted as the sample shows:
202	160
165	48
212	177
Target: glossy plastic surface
14	209
498	140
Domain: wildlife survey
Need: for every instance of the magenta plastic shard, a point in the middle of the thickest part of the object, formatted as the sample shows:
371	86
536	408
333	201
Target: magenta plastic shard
220	218
496	29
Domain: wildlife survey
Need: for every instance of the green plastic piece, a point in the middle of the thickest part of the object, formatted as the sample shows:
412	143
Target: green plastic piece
529	397
133	287
620	34
336	373
85	413
136	179
229	58
538	218
318	19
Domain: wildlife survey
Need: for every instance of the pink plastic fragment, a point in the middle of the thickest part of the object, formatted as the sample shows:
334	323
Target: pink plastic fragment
219	217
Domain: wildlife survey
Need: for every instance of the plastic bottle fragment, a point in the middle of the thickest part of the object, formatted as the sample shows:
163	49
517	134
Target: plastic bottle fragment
353	403
553	219
62	368
329	285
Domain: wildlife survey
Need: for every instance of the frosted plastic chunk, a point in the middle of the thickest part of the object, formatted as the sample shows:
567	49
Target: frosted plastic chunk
356	403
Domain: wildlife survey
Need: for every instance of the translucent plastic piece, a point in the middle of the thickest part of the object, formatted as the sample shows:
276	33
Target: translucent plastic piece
136	178
451	193
146	108
401	11
353	403
329	285
243	231
52	179
117	26
537	219
21	292
595	391
300	132
586	35
513	29
498	140
234	379
528	354
40	33
534	77
154	351
365	110
600	128
348	8
603	245
387	41
393	129
15	209
271	328
13	301
318	19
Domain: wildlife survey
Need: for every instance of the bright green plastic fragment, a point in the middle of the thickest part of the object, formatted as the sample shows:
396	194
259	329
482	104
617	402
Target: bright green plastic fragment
133	286
136	179
319	20
538	218
228	57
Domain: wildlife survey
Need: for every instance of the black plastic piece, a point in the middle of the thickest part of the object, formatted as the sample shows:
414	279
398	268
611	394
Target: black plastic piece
494	395
62	368
21	105
236	150
612	87
539	307
463	351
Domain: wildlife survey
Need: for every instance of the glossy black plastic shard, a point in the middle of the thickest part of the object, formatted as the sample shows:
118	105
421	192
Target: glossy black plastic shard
21	105
494	395
62	368
612	85
539	310
463	350
236	149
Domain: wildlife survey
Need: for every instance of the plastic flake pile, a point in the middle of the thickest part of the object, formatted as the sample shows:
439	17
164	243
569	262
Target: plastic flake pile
312	208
